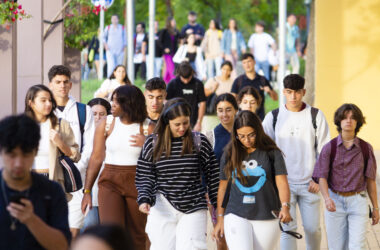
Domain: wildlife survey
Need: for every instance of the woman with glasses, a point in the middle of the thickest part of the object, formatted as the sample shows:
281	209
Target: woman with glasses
255	168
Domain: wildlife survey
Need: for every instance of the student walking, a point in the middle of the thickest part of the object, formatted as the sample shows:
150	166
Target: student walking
118	141
254	168
346	172
232	44
100	109
155	95
56	135
211	47
81	122
169	40
118	78
33	209
168	181
300	131
226	109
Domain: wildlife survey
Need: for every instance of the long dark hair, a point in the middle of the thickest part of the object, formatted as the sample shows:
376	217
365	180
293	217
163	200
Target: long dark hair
168	26
126	79
173	108
235	151
249	90
31	95
227	97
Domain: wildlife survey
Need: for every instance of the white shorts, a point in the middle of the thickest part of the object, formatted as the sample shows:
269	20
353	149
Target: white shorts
76	217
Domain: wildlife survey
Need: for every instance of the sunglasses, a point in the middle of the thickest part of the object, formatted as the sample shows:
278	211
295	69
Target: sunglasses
296	235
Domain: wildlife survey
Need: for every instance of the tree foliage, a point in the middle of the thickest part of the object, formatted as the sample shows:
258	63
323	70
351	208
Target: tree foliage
246	12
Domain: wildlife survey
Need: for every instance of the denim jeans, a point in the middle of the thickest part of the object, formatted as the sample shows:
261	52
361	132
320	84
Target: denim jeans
346	227
213	67
265	67
113	60
292	58
308	204
91	219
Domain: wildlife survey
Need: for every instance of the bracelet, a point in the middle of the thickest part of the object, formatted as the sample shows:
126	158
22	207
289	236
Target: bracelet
376	208
220	215
86	191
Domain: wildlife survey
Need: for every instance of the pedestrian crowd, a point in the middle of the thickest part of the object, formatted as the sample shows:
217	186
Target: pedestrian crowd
149	179
204	49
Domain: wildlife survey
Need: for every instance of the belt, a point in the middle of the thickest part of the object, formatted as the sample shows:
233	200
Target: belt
346	194
41	171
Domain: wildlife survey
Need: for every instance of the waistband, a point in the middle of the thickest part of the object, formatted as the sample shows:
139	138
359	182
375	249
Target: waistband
347	194
122	168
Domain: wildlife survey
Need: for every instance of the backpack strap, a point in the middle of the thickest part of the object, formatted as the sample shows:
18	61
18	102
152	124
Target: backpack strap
365	152
314	113
275	115
82	121
109	121
334	143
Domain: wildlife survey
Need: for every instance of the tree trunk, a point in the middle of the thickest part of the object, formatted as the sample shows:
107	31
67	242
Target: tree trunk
169	8
310	59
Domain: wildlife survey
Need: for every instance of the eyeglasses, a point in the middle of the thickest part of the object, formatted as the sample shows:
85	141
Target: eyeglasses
291	233
249	136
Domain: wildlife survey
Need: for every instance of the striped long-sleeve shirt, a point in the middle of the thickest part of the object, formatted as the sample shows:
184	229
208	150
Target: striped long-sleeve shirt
178	177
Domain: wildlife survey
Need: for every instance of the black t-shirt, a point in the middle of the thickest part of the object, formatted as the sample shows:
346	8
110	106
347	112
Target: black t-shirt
49	204
197	30
193	92
258	197
258	82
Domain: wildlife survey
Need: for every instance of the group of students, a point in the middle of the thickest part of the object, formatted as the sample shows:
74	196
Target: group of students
147	168
204	49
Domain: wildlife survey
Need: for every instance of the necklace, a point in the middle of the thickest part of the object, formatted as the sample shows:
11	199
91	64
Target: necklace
13	220
349	140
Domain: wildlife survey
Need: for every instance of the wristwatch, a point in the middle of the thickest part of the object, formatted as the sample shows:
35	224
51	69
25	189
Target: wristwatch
286	204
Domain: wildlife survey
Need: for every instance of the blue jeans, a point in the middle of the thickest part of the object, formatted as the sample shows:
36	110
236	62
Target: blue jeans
309	207
113	60
92	219
213	67
346	227
265	67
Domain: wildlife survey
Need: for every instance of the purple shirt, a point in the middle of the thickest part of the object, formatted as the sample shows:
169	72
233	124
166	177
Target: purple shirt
347	172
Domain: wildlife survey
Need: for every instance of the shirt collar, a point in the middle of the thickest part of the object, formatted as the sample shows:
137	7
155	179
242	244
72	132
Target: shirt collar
356	141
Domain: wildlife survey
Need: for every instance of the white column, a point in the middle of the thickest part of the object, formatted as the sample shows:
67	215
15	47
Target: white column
151	64
282	60
130	44
101	46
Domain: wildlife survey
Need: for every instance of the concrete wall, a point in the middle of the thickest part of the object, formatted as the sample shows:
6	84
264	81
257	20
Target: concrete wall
8	69
29	50
348	60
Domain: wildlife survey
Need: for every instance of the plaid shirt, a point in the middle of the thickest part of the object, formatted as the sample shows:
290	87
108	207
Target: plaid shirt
347	173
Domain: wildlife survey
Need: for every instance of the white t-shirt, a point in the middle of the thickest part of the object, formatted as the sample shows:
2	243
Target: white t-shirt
41	161
233	41
295	136
260	44
108	85
137	58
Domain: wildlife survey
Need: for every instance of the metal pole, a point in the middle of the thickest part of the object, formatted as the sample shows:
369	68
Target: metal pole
130	43
282	59
101	46
150	62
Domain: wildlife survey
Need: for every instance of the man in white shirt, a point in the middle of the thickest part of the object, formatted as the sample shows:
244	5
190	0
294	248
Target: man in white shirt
82	123
300	131
260	43
141	44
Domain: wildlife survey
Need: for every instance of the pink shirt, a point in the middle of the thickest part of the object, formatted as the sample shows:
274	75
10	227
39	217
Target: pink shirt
347	172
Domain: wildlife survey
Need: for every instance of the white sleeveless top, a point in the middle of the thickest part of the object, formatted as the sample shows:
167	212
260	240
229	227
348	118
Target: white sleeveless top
41	161
118	146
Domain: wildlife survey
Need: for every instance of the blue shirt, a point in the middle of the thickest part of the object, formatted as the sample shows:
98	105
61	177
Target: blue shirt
115	38
49	204
292	34
221	139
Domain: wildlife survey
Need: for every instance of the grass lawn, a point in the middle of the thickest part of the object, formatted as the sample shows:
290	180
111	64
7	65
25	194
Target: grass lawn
90	86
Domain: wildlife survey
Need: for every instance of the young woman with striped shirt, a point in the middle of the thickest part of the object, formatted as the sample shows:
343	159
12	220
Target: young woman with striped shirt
168	181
